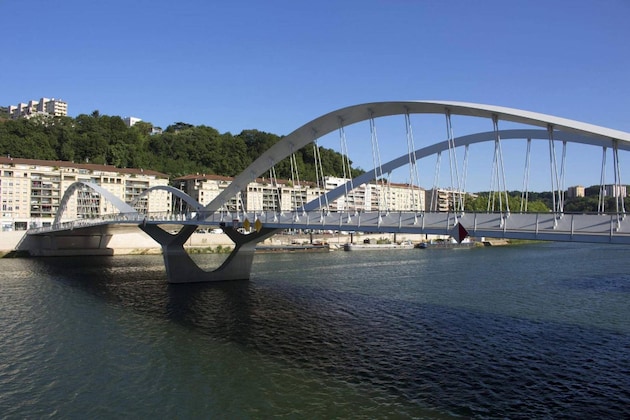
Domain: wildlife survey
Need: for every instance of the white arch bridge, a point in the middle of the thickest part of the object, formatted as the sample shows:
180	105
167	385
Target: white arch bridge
340	209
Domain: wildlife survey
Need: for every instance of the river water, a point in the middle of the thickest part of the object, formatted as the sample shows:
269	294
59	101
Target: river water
530	331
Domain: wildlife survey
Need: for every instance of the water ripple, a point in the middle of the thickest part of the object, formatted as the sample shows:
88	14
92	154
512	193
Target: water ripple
334	336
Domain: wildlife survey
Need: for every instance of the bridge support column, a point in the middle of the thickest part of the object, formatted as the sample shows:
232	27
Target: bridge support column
180	268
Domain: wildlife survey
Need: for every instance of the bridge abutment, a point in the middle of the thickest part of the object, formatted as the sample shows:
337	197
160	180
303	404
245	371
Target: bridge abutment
67	243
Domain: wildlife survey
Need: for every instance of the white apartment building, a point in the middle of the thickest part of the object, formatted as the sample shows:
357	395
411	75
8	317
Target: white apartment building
399	197
613	190
31	191
576	191
442	199
203	188
131	121
262	194
45	106
265	194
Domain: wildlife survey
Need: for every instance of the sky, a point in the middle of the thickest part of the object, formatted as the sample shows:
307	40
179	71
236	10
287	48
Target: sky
278	64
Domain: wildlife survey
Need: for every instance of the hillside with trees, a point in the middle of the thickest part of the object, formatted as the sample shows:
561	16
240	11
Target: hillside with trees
538	202
181	149
186	149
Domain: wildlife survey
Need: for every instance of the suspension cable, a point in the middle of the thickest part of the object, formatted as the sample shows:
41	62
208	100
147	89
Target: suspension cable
562	172
345	160
602	180
319	174
499	167
239	201
507	203
525	191
414	178
376	160
464	176
276	186
493	181
620	192
297	198
553	169
436	180
455	181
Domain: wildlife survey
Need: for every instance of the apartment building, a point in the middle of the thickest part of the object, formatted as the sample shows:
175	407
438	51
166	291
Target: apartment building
265	194
31	191
45	106
131	121
614	190
398	197
201	187
443	199
576	191
262	194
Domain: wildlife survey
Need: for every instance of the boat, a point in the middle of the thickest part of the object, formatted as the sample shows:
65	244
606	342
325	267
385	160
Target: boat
446	244
265	249
372	246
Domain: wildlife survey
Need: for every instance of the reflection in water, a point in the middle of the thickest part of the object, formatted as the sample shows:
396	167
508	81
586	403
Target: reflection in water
397	328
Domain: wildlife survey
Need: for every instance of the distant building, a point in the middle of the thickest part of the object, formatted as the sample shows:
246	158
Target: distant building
442	199
130	121
613	190
576	191
402	197
53	107
31	191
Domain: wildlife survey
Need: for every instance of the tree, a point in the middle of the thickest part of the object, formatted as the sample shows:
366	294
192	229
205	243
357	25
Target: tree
178	126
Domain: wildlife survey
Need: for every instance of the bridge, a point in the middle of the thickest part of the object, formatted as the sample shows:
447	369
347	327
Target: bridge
246	227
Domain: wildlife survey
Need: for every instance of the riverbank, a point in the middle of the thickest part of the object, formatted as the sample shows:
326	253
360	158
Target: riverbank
139	243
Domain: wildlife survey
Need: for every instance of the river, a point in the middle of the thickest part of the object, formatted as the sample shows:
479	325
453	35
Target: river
528	331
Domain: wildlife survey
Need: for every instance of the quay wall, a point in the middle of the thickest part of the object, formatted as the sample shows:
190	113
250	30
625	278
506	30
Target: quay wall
140	243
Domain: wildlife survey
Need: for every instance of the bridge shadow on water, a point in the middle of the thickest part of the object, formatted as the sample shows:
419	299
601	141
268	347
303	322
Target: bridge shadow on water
459	361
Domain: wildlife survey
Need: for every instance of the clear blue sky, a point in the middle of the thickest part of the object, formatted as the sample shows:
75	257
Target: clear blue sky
275	65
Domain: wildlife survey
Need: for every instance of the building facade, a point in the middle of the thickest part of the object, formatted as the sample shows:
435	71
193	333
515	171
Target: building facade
443	199
45	106
613	190
281	195
262	194
31	191
576	191
131	121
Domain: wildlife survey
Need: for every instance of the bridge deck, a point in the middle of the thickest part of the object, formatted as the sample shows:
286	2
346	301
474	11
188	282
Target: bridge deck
601	228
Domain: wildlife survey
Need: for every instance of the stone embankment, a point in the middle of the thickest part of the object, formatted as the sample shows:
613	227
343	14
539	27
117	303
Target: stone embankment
140	243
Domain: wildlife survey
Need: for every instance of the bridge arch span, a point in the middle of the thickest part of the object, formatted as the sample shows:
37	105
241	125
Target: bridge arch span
311	131
115	201
175	191
488	136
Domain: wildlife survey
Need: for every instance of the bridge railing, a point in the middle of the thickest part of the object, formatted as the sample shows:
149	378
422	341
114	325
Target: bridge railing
546	226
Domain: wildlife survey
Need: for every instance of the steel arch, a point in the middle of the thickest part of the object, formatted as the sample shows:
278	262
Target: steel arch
175	191
534	134
589	133
117	202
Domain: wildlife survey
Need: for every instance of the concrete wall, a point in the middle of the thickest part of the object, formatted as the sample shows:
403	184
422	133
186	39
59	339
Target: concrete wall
141	243
9	240
129	243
